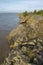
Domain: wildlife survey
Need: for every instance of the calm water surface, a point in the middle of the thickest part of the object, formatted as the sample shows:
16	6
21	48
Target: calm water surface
8	21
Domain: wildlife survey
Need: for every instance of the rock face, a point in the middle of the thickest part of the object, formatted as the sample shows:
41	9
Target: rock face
26	42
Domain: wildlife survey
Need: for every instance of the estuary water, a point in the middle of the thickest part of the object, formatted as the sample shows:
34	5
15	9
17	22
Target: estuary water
8	21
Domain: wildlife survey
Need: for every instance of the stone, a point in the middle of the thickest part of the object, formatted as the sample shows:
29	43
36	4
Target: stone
31	43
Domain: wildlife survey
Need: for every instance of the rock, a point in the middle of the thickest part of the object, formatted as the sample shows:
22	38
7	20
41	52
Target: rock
14	45
31	43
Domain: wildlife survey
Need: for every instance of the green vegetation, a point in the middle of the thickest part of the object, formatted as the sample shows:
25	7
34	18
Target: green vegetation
35	11
25	13
40	12
30	54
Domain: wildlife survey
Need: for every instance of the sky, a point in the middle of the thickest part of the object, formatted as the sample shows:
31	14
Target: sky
20	5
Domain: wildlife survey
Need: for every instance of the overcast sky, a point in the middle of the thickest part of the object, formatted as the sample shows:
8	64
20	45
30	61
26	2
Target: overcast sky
20	5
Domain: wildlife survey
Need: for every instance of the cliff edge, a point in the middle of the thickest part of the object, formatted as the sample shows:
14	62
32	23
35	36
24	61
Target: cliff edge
26	42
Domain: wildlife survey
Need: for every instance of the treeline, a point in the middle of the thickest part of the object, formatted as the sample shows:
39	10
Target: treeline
40	12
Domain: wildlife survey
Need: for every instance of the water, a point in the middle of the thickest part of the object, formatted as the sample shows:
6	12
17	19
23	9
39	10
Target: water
8	21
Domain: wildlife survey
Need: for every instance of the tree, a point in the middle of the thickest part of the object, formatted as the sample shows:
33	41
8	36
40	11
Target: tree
35	11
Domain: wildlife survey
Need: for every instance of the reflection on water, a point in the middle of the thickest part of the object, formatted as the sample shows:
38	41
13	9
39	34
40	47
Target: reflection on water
8	21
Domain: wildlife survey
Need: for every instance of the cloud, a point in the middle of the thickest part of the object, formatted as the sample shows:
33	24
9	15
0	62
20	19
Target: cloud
20	5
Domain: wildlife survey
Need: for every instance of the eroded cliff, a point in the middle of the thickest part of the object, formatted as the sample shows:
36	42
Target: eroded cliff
26	42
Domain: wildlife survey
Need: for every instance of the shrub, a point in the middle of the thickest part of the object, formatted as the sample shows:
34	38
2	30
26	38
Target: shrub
40	12
25	13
